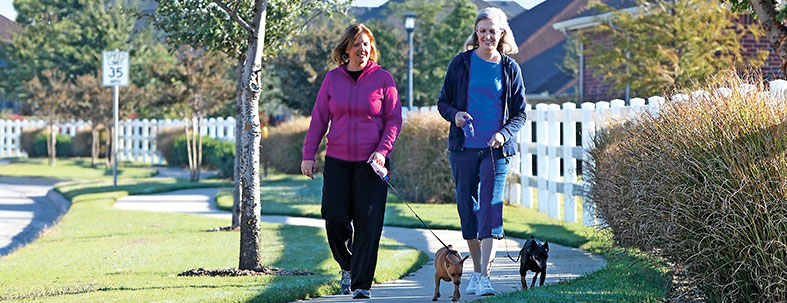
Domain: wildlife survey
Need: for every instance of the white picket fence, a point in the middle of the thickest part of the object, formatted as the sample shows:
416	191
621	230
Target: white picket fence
136	138
547	139
549	124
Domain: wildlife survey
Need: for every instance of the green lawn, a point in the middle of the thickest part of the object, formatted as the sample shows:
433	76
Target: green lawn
71	168
628	277
97	253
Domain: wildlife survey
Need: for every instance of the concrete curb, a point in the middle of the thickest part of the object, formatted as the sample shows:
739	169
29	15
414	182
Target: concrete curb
60	203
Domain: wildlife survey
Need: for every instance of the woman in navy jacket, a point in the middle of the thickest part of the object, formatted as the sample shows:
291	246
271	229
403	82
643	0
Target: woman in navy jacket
483	87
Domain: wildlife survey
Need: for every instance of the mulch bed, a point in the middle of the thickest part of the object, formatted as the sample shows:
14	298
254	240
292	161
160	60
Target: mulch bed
234	272
224	228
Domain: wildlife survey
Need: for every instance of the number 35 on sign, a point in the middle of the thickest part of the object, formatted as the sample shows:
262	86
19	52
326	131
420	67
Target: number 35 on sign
115	71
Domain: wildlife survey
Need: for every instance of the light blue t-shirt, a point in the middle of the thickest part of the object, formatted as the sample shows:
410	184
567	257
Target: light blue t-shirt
483	100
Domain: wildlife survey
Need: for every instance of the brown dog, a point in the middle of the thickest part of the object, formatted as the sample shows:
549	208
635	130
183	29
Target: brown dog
448	266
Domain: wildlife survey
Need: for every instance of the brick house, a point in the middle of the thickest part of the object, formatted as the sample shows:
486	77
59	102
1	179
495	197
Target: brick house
593	88
7	29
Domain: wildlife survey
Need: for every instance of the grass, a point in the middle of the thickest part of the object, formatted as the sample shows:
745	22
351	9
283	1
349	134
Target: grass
97	253
71	168
628	277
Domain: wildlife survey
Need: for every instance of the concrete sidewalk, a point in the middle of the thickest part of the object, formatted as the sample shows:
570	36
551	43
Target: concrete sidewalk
27	207
564	262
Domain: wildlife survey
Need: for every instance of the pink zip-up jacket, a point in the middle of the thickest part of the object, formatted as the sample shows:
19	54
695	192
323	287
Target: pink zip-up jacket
365	115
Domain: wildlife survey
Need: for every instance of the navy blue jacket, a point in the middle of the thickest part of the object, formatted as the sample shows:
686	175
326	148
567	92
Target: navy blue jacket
453	98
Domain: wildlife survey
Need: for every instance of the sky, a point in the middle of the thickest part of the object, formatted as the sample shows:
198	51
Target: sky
7	8
528	4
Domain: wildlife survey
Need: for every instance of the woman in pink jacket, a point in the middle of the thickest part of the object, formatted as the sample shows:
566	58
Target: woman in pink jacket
360	102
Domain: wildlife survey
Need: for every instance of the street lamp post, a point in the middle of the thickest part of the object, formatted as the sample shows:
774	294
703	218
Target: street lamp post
409	25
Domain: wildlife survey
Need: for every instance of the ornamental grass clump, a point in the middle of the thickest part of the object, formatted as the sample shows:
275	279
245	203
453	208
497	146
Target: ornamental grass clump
282	150
704	185
420	168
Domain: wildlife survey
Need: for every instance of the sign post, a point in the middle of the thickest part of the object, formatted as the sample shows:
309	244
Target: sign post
115	73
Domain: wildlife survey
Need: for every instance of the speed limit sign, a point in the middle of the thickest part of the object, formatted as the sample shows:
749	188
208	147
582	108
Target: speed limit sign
115	68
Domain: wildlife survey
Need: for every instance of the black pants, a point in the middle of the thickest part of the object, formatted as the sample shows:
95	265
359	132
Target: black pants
353	206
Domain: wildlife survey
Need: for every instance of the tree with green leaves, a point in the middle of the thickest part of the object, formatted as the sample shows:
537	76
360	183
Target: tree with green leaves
50	97
249	31
306	62
442	27
230	28
771	15
666	44
70	36
196	86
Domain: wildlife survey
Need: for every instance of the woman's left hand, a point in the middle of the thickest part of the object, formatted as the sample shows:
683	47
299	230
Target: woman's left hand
496	141
376	157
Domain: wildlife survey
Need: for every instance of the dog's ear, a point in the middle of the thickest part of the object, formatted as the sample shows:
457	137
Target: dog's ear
532	237
546	245
465	258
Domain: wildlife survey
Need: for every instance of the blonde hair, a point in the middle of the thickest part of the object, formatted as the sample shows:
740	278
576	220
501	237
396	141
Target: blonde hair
350	34
506	45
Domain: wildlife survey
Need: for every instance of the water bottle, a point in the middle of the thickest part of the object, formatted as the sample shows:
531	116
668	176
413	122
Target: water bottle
380	170
468	128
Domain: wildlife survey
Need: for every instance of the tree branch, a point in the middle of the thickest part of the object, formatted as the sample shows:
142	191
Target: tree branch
234	15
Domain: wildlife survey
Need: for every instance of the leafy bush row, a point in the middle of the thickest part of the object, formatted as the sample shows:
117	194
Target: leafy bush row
216	154
703	184
33	142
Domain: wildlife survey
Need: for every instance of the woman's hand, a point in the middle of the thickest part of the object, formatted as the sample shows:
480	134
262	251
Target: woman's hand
308	169
460	117
496	141
376	157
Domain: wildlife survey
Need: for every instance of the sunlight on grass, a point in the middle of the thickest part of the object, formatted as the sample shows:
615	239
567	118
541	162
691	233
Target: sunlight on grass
628	277
97	253
71	168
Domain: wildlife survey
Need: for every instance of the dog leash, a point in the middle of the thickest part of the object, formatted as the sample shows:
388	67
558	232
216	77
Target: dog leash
494	171
416	214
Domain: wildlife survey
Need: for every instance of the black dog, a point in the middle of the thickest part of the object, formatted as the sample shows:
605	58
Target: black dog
533	257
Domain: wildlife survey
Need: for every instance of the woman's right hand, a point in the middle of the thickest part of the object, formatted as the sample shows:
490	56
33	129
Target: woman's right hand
461	117
307	168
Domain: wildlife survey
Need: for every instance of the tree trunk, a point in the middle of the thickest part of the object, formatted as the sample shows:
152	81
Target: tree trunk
189	141
109	157
94	145
250	159
236	198
199	148
52	143
774	30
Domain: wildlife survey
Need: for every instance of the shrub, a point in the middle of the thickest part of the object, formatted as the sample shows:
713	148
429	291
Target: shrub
216	154
420	169
702	184
38	148
27	139
165	140
83	142
219	155
283	149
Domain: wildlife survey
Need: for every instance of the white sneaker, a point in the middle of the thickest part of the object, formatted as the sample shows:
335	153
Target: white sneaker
473	284
484	287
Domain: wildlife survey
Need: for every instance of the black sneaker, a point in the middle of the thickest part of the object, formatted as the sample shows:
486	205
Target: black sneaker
345	284
362	294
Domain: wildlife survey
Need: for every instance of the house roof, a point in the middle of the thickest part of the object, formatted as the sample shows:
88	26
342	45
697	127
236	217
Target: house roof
542	73
541	47
7	28
511	8
589	18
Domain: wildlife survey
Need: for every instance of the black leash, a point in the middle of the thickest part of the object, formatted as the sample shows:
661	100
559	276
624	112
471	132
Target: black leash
494	170
416	214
